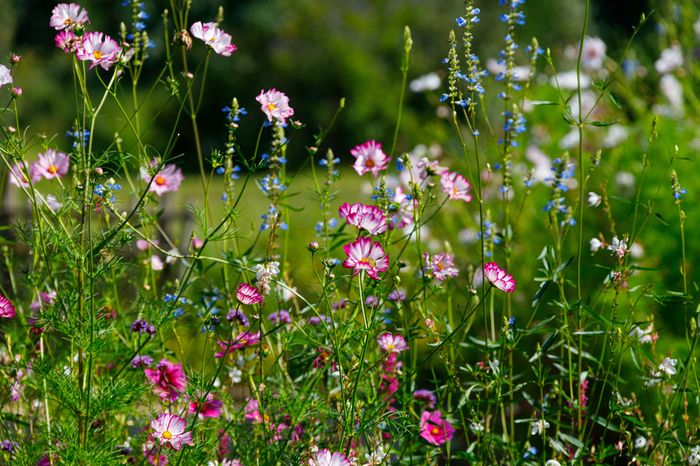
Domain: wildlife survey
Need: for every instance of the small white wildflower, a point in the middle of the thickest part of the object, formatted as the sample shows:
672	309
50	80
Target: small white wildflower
643	335
538	427
668	366
594	199
593	53
694	455
172	256
569	82
552	463
476	427
670	60
235	374
618	247
596	244
156	263
673	90
427	82
624	180
640	442
264	273
616	134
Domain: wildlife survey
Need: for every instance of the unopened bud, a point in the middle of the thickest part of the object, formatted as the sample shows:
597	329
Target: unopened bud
15	59
312	247
17	91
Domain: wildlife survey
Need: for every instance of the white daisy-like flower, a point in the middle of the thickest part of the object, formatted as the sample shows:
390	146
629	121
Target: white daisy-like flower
668	366
594	199
538	427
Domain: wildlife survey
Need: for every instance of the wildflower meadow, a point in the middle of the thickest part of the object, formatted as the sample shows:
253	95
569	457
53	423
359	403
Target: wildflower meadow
517	289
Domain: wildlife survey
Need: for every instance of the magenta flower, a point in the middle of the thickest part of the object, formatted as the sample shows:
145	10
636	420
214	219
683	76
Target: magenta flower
67	41
68	16
363	216
214	37
248	294
440	266
434	429
100	49
167	179
19	174
369	157
5	75
251	412
391	343
168	379
498	277
275	105
169	430
7	309
455	186
325	457
365	255
211	407
51	164
241	341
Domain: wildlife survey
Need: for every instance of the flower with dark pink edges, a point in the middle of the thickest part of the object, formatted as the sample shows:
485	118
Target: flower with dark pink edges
168	379
167	179
243	340
498	277
391	343
7	309
67	41
325	457
363	254
369	157
248	294
100	49
455	186
211	407
217	39
434	429
50	164
364	217
440	266
19	174
169	431
275	105
68	16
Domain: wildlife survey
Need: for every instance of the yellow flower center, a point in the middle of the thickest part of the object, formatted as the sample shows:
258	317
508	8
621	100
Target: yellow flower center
97	54
435	431
167	435
369	163
67	22
367	260
53	169
271	107
160	180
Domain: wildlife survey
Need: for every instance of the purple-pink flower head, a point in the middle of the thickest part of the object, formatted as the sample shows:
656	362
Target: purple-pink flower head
167	179
168	379
100	49
426	396
434	429
391	343
455	186
68	16
365	255
169	430
211	407
325	457
362	216
217	39
248	294
7	309
50	164
243	340
440	266
275	105
19	174
498	277
67	41
369	157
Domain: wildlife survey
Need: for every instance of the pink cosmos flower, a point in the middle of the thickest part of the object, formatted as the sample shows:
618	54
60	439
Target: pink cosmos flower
100	49
365	255
369	157
363	216
241	341
51	164
498	277
391	343
214	37
67	41
325	457
68	16
5	75
211	407
19	174
275	105
248	294
251	412
455	186
7	309
169	430
167	179
434	429
440	266
168	379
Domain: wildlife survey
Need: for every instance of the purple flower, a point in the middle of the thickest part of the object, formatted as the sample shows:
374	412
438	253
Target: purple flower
280	317
237	314
141	361
143	327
